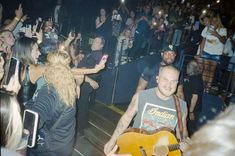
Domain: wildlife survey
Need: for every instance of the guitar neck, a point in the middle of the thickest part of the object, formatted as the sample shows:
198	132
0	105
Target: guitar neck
173	147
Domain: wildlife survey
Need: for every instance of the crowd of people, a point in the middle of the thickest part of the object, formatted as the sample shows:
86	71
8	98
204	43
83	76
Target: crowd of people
48	73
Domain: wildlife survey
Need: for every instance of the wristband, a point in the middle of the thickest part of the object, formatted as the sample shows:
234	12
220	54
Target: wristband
17	19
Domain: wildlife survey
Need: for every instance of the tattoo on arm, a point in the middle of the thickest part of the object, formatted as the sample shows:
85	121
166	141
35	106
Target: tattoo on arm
126	118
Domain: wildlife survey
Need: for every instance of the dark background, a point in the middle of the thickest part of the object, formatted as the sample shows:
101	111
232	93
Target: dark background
82	13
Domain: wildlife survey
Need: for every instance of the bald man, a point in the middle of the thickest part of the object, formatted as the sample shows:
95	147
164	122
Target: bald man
153	108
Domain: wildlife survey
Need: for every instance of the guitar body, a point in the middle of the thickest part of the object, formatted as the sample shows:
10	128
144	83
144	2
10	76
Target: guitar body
130	143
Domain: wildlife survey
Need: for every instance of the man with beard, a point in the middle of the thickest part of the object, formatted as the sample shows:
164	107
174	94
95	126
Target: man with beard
155	108
147	79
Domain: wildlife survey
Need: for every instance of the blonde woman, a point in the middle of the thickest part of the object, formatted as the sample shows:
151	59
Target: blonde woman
211	48
11	121
55	104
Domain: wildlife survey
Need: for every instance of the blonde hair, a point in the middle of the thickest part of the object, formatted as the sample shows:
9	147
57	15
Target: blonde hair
217	16
58	74
11	121
215	138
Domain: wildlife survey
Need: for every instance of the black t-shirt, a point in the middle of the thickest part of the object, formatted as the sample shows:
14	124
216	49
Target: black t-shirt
91	59
193	85
149	74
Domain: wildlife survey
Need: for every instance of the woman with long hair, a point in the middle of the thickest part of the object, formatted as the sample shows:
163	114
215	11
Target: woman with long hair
27	52
55	104
211	48
11	121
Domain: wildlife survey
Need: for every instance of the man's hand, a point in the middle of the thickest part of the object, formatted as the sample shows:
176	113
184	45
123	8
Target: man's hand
109	146
184	144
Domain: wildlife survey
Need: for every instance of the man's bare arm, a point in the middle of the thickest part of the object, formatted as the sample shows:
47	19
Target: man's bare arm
123	123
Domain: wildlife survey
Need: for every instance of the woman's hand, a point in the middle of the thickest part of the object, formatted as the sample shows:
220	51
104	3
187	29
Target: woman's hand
94	84
99	66
214	33
19	12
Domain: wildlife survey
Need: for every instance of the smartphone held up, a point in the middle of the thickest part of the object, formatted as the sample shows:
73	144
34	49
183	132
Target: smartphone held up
30	120
104	59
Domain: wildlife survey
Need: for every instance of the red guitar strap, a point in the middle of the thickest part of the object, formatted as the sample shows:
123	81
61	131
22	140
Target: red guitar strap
179	115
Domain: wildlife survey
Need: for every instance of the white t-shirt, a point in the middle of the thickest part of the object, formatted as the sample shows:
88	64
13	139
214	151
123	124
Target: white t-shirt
213	45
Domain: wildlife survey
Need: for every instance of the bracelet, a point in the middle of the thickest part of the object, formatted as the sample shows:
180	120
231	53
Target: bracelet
17	19
21	20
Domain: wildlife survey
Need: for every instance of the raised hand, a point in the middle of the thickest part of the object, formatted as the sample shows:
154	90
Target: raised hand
19	12
71	36
28	32
39	36
24	18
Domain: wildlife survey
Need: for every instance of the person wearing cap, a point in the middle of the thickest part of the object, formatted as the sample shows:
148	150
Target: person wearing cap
148	77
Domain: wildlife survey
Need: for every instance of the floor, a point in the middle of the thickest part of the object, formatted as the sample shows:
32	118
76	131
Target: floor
84	148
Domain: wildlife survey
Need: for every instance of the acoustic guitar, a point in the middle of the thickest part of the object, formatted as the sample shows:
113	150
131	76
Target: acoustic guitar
140	143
